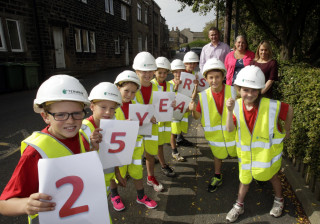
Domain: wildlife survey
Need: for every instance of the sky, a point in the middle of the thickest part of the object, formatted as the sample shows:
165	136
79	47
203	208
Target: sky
184	19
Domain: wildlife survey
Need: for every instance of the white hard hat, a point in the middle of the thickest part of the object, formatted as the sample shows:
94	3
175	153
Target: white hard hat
190	57
106	91
127	76
144	61
250	76
59	88
177	64
163	62
213	63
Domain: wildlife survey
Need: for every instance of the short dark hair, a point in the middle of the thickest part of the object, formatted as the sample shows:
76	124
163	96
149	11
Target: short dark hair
213	28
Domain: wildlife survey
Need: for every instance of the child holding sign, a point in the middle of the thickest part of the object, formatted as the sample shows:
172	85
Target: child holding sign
60	101
145	65
212	110
105	98
163	67
128	84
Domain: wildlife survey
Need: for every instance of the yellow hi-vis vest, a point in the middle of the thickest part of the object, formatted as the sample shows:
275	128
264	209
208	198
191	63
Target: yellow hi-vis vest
164	127
150	141
178	126
86	129
48	147
259	153
222	142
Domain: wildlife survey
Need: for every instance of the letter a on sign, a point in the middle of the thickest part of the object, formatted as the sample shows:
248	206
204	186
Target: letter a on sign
182	103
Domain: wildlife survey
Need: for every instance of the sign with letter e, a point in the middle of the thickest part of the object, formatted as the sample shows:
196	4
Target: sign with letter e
162	102
76	184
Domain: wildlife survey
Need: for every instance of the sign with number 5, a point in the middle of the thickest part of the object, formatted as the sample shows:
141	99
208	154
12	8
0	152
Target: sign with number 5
78	190
118	142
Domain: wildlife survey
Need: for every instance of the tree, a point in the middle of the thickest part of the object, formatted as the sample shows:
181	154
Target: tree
286	23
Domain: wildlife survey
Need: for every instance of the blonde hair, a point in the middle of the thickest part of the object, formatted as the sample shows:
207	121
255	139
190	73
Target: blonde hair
267	45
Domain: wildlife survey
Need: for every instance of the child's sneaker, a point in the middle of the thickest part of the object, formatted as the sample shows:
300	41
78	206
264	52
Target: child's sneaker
178	157
277	208
234	213
154	183
149	203
168	171
214	184
117	203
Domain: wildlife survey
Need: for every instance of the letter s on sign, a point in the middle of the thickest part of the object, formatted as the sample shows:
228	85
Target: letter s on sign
115	141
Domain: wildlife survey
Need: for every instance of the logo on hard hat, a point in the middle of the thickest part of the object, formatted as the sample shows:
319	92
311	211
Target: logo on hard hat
248	80
71	91
110	94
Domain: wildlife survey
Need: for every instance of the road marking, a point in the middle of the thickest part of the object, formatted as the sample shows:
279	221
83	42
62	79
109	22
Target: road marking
12	148
4	143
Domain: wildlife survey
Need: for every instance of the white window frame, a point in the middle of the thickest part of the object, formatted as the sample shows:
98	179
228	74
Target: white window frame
138	11
109	6
146	16
19	35
3	41
139	42
117	46
85	40
92	42
123	12
77	37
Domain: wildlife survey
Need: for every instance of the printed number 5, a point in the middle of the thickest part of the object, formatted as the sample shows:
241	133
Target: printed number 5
115	141
77	184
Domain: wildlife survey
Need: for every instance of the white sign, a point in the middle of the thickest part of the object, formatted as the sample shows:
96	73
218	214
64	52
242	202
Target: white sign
76	184
203	84
118	142
182	104
142	113
162	102
187	85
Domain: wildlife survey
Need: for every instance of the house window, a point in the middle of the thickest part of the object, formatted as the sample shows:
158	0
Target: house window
14	35
84	1
139	12
117	46
77	37
85	41
146	16
2	41
92	42
123	12
146	44
109	6
139	42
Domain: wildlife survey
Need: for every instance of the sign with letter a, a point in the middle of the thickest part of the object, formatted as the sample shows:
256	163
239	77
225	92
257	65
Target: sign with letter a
187	85
142	113
182	104
76	184
118	142
162	102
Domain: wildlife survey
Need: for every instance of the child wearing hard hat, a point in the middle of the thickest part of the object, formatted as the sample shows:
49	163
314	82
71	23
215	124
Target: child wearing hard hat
128	84
144	65
105	98
163	67
177	126
213	112
259	137
60	101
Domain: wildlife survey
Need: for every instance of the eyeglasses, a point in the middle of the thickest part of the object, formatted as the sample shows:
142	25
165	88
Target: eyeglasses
63	116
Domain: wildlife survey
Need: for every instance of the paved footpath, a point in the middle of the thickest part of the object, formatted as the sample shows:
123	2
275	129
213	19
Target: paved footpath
186	200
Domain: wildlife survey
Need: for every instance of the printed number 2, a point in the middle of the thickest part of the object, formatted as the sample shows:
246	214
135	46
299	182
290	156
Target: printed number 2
77	184
115	141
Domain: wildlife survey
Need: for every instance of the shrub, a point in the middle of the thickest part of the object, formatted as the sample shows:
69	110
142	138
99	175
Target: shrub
300	87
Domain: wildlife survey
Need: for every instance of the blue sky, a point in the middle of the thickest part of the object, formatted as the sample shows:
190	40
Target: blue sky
184	19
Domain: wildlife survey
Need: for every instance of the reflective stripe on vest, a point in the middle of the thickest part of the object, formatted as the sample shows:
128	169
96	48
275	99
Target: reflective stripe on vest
266	141
150	137
136	162
87	128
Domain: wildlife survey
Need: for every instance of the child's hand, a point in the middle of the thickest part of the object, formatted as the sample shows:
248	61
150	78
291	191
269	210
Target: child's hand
153	120
173	104
230	104
96	138
192	105
196	82
34	205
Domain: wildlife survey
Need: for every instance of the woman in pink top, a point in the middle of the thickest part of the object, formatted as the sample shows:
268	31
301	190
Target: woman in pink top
237	59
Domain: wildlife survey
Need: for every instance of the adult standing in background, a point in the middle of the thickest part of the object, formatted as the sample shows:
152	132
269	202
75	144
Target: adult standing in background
214	49
269	66
237	59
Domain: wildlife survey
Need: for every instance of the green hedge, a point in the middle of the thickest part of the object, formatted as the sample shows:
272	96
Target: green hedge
300	87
